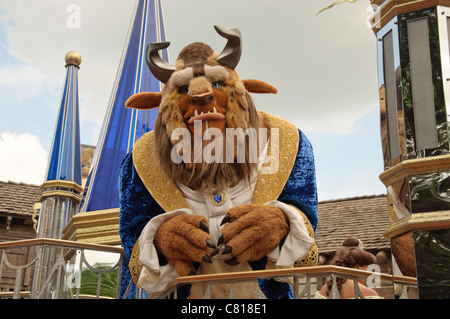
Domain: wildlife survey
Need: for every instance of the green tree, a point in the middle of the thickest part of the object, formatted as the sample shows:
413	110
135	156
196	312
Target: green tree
89	281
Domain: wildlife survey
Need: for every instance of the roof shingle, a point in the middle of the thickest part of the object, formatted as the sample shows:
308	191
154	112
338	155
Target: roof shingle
364	217
18	198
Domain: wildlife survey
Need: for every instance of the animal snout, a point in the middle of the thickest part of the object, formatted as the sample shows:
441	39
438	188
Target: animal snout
202	99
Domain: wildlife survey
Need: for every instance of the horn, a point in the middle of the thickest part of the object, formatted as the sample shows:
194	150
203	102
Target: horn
231	54
159	68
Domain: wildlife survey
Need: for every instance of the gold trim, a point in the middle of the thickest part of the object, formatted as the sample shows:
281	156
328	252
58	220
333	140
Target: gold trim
100	227
134	264
415	167
311	258
60	193
418	221
64	184
270	186
162	189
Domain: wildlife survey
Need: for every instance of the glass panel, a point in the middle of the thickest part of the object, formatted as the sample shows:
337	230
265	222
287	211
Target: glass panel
422	85
391	95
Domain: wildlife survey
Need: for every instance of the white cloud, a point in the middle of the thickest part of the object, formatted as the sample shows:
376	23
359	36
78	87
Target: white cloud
21	83
22	158
39	37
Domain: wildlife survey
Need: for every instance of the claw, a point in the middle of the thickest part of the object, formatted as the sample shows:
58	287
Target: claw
215	252
220	241
207	259
232	262
227	250
210	244
204	226
226	219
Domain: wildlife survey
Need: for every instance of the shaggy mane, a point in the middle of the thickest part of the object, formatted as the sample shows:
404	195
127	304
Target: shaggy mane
209	177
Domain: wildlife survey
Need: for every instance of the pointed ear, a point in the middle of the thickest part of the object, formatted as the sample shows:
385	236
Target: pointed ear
257	86
144	101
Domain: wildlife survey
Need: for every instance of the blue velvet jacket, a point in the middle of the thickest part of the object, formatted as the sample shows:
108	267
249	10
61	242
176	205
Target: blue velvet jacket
138	203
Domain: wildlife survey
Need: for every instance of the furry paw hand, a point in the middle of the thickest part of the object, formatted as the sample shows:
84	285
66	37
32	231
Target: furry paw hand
184	240
252	232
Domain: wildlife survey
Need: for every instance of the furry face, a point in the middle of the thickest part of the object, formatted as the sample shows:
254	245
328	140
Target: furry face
201	88
214	95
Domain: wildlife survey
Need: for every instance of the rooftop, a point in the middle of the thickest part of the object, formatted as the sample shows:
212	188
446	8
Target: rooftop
364	217
18	198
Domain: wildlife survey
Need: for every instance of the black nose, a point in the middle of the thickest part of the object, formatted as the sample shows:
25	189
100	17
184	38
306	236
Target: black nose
202	99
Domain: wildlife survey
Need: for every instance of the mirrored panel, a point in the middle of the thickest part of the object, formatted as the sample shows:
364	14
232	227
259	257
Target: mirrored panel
391	109
422	86
391	95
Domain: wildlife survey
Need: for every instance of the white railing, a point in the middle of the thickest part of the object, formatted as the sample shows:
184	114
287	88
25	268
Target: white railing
301	278
55	280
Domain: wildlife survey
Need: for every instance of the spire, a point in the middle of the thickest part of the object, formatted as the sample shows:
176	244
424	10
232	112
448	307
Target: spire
122	127
65	159
62	185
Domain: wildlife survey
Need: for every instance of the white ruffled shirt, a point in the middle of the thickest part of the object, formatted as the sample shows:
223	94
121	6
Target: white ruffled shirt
155	278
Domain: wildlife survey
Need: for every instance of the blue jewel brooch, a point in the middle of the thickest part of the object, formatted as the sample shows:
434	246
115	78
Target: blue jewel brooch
217	199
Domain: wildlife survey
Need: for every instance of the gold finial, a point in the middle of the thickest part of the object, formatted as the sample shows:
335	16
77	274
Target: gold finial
73	58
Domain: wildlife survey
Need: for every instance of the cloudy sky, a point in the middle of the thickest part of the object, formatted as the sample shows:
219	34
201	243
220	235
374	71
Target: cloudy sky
324	67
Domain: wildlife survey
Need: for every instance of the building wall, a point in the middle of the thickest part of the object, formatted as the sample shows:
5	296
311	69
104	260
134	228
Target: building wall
14	228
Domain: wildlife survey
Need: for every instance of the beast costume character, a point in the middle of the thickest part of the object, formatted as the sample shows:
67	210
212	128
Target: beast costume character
197	196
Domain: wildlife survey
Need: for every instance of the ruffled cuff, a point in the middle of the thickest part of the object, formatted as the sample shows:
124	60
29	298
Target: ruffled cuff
297	242
153	277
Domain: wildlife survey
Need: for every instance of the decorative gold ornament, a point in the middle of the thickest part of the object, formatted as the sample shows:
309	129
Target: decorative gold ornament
418	221
73	58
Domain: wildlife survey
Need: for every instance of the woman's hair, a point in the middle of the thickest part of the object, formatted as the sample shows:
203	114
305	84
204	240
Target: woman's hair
350	255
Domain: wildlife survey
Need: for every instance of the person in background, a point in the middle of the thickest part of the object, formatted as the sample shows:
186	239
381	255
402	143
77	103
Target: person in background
350	255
